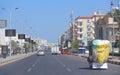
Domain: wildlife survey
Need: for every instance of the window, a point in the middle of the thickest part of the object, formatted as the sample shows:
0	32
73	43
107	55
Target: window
80	35
80	30
88	28
79	23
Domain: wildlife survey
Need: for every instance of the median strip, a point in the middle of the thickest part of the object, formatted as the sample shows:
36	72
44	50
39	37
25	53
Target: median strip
4	61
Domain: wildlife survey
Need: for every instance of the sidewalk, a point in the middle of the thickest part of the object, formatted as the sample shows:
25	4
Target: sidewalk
14	58
112	60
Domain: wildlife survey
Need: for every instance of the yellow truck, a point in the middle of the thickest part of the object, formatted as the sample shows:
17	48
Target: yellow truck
98	54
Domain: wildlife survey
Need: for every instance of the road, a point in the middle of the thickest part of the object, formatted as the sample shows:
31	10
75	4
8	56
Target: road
55	65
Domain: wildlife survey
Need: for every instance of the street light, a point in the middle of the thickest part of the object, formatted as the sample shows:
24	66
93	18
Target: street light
113	29
10	32
10	15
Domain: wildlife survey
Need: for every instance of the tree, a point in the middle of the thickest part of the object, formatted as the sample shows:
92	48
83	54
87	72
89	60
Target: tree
116	14
27	46
14	44
75	43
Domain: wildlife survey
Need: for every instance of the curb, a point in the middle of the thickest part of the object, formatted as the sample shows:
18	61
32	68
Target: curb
114	62
7	61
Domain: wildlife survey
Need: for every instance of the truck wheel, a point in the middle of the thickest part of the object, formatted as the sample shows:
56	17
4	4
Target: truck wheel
90	65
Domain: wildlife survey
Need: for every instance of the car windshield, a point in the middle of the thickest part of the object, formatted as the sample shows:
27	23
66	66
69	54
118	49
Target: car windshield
59	37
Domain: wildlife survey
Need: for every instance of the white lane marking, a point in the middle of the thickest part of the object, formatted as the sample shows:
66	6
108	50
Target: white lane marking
33	65
60	62
115	71
64	65
29	69
68	69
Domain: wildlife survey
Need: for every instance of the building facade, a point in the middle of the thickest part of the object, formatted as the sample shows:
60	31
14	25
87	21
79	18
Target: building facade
106	28
85	27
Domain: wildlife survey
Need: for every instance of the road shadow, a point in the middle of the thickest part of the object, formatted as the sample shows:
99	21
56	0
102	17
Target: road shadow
87	68
84	68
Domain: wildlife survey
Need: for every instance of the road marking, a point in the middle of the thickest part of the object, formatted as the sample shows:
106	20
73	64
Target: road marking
64	65
29	69
68	69
115	71
60	62
33	65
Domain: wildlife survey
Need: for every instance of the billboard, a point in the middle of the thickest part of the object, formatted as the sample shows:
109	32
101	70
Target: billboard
21	36
10	32
4	49
3	23
27	39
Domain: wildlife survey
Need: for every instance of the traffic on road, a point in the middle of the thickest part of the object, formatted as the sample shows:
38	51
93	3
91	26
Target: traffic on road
59	37
55	65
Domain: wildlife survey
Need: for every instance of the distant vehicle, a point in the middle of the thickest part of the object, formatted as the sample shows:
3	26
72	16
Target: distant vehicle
40	53
98	54
55	50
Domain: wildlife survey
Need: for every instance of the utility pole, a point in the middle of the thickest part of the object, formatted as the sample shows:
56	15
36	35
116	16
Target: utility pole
71	17
10	24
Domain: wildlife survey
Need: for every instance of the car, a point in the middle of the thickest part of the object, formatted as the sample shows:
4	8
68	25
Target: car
40	53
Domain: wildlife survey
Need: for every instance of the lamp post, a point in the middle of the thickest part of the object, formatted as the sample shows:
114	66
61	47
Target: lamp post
10	32
10	15
113	39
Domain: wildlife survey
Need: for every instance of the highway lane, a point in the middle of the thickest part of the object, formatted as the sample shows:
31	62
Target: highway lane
55	65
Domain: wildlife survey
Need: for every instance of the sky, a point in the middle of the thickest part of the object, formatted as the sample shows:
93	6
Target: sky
48	19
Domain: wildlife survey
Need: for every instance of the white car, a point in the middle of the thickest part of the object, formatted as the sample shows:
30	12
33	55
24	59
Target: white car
40	53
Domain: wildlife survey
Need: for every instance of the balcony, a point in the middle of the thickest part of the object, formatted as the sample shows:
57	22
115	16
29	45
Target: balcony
79	38
79	32
79	26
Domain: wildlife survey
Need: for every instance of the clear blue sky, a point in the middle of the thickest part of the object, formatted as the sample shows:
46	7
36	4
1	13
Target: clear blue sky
48	19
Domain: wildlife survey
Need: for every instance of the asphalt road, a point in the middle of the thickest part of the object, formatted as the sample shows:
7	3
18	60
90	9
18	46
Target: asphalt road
55	65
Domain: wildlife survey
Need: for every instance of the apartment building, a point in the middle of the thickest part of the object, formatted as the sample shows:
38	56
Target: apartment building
73	31
63	39
41	42
84	29
97	26
106	28
86	26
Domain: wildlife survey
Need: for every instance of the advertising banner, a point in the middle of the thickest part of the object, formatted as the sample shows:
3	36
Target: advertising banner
3	23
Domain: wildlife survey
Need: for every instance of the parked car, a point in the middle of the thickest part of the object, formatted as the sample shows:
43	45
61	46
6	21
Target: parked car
40	53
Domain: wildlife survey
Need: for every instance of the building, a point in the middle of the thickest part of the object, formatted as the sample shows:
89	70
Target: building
106	28
97	26
85	27
41	43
